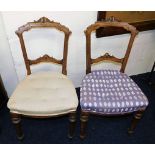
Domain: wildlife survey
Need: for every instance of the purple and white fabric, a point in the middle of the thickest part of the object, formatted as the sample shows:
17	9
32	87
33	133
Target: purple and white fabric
111	92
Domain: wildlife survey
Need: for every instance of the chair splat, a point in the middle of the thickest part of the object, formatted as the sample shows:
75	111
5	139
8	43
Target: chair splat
44	22
45	58
107	57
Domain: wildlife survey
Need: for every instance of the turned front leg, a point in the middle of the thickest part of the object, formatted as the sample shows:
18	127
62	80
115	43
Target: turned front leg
138	115
16	120
83	125
72	124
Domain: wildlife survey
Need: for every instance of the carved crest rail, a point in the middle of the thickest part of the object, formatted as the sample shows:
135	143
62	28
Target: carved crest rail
114	24
44	22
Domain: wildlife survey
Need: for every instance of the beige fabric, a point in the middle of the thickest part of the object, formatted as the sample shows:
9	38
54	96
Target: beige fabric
44	94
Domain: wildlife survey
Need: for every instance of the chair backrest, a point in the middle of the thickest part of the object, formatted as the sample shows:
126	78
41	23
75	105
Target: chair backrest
107	56
44	23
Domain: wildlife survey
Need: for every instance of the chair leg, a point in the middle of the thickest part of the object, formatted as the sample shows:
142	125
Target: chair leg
16	120
138	115
83	126
72	124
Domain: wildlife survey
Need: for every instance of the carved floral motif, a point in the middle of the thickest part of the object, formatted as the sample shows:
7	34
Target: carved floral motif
45	58
43	20
106	56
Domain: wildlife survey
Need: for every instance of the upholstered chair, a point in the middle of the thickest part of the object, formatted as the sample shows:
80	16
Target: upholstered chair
44	94
110	92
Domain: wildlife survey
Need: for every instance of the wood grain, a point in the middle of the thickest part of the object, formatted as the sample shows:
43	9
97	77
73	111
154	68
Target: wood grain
123	61
145	21
109	23
44	22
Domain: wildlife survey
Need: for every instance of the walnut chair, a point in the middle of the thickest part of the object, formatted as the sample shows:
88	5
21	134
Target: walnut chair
110	92
43	94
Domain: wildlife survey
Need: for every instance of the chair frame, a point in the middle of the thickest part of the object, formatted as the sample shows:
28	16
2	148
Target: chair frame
43	22
111	22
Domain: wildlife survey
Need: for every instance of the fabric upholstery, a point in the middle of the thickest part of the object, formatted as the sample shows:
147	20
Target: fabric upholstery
111	92
44	94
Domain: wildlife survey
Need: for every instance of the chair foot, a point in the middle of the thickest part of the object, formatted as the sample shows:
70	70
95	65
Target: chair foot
72	120
82	136
130	132
16	120
20	137
138	115
83	126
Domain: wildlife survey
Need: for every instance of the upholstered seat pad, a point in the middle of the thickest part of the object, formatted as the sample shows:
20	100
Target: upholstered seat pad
44	94
111	92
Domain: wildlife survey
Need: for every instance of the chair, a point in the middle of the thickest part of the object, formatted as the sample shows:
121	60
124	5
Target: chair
109	92
43	94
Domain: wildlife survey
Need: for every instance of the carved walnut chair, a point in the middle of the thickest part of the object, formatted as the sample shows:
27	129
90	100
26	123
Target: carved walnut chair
44	94
110	92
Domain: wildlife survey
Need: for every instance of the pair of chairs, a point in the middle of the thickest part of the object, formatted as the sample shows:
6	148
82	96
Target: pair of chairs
51	94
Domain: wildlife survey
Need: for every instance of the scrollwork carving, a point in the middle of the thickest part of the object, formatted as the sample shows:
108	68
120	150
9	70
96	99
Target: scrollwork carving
106	56
43	20
105	24
45	58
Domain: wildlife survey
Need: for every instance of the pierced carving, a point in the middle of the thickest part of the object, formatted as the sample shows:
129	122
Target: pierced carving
106	56
45	58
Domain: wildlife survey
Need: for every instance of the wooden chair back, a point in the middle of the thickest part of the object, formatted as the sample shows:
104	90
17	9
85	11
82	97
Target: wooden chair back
44	23
107	56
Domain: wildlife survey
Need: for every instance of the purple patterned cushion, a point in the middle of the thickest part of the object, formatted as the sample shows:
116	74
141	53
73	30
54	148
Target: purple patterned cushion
111	92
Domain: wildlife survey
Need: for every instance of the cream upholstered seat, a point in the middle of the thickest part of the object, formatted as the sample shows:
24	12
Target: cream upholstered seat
44	94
